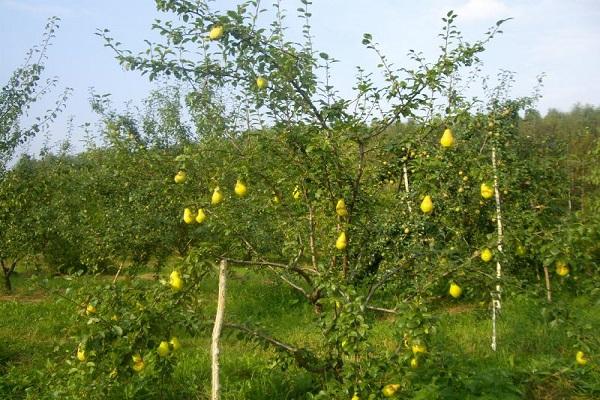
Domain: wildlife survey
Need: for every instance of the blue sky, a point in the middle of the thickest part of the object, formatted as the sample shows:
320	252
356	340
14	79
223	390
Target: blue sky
557	37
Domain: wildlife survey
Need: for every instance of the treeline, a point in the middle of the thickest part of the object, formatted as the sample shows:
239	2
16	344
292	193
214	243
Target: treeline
573	135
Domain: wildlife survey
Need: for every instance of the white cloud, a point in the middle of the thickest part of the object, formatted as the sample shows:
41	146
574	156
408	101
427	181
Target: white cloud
479	10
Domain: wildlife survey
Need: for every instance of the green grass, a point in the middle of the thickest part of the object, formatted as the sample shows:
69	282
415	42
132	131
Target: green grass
535	359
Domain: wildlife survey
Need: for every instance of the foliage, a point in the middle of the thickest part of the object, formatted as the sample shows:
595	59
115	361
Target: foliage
263	115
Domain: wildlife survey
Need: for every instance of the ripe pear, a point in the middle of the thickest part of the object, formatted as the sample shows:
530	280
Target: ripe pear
138	363
427	205
297	193
355	397
340	208
217	196
261	83
447	140
175	343
341	241
562	269
90	309
240	189
275	199
580	358
418	348
390	390
414	363
163	349
486	255
455	290
486	191
216	32
81	356
188	216
175	281
180	177
200	217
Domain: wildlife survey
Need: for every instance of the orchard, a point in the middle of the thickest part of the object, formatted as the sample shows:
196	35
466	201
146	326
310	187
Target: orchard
406	242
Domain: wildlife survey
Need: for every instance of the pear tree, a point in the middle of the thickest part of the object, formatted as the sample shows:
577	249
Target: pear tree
352	202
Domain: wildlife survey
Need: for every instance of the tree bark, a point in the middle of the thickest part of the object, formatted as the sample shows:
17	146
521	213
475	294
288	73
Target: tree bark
7	272
217	328
7	283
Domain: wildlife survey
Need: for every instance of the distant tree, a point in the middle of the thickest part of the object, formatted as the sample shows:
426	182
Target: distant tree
24	88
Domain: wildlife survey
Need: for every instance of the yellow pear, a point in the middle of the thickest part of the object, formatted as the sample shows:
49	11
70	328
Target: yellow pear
240	189
180	177
521	250
188	216
414	363
163	349
138	363
81	356
486	255
341	241
427	205
216	32
355	397
200	217
217	196
340	208
297	193
418	348
580	358
562	268
455	290
275	199
261	83
390	390
486	191
90	309
175	281
175	343
447	140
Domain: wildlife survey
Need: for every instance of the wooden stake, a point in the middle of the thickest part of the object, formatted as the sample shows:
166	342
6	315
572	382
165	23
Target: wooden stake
548	290
406	188
496	295
217	328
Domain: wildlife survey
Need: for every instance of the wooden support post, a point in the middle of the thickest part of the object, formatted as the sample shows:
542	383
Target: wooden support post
217	328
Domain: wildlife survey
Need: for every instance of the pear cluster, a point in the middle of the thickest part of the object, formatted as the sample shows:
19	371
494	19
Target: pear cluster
341	211
165	348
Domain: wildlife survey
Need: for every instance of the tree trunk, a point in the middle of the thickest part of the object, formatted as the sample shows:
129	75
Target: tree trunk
216	334
7	283
7	271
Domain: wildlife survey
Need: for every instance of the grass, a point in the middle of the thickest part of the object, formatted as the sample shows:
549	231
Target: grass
535	359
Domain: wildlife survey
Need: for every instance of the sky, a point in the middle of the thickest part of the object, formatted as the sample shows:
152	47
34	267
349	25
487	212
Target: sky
560	38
